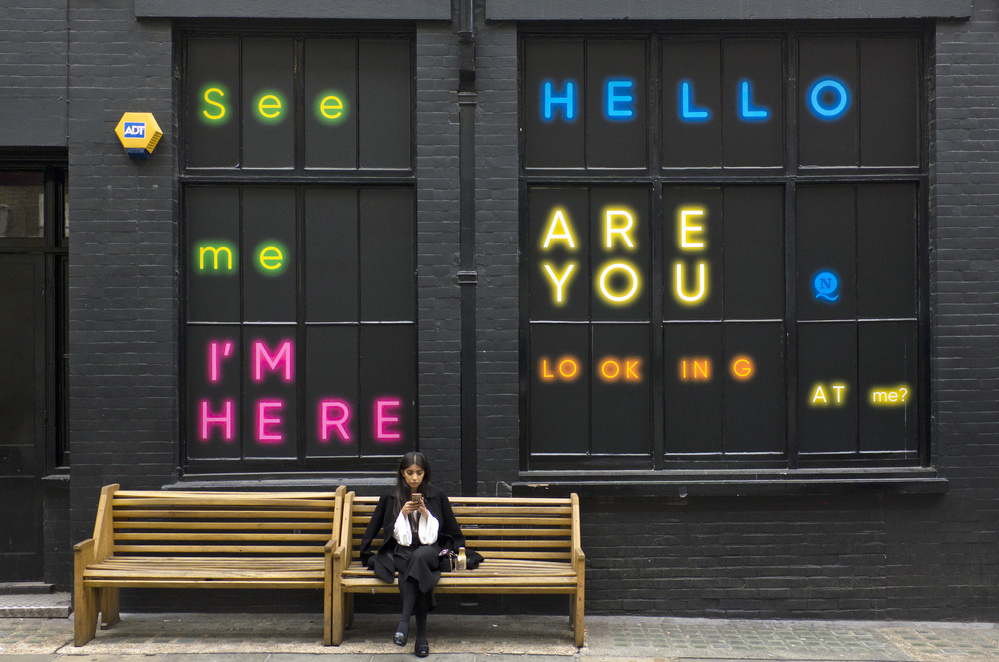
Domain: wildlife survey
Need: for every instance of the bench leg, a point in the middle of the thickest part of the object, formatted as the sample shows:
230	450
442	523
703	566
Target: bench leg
577	616
336	615
348	602
85	605
109	607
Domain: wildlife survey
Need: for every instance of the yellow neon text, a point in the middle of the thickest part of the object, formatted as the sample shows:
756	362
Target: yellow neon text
221	107
702	290
889	396
685	241
564	231
215	251
742	368
613	369
271	257
269	106
335	104
837	393
566	369
695	369
614	297
621	230
559	281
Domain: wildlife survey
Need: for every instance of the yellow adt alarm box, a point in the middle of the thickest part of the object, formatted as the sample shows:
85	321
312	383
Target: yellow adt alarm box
138	133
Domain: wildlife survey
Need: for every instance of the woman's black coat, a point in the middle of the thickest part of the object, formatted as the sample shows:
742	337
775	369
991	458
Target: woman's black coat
382	561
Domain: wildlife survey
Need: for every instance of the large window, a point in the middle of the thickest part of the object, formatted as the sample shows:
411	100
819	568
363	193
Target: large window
721	254
299	251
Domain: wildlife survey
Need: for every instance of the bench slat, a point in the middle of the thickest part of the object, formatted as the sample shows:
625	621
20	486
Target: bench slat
326	514
225	501
128	525
243	537
222	549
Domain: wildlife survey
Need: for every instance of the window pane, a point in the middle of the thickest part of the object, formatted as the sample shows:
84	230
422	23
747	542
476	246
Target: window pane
693	231
753	102
331	387
558	250
331	255
213	254
692	135
615	104
214	375
886	251
387	255
270	402
268	103
22	204
330	70
213	103
553	109
387	389
560	420
827	387
753	374
888	386
621	254
269	251
827	103
385	80
889	98
693	387
621	389
827	253
753	278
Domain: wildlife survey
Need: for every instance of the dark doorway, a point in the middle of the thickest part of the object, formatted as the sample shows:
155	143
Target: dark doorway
33	241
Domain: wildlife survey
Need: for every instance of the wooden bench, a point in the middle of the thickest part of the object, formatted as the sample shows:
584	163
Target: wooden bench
530	546
204	540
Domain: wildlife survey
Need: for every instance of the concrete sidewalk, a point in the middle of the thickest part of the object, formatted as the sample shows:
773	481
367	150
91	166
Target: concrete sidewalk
453	638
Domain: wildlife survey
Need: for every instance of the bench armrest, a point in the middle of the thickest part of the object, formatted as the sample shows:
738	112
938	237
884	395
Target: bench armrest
85	549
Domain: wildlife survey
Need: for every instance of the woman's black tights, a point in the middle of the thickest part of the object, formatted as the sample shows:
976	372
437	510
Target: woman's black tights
413	602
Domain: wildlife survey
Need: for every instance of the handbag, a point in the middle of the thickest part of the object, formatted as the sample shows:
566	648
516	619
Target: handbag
448	560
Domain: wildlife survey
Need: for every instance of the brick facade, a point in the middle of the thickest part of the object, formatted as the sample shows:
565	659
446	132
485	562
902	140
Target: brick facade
867	554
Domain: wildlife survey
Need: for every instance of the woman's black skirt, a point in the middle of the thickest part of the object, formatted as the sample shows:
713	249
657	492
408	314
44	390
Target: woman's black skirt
419	562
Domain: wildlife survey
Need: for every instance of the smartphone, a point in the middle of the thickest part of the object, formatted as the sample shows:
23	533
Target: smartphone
417	497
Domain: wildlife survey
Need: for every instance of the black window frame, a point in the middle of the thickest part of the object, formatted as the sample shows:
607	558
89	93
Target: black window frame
535	469
299	179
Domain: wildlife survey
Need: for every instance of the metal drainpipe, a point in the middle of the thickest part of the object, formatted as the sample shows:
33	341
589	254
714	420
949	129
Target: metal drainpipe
467	276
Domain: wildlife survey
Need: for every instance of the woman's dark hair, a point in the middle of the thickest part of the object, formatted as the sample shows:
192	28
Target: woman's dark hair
402	491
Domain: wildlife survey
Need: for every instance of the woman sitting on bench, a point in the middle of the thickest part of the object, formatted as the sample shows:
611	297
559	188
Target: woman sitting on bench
415	522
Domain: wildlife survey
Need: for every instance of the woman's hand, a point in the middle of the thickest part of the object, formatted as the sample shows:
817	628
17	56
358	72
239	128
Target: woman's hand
415	506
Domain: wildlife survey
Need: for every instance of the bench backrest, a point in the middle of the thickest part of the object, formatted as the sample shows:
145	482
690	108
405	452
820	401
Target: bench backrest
193	524
537	529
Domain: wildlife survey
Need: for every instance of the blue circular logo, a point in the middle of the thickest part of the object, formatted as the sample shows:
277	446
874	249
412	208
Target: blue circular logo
826	285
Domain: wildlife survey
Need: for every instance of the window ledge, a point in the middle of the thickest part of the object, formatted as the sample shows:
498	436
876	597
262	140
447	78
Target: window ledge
682	485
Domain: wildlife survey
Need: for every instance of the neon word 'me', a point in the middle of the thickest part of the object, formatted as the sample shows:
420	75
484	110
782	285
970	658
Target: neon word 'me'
619	100
221	257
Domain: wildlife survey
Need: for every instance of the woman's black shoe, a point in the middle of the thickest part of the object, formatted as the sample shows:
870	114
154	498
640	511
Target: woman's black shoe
400	639
422	650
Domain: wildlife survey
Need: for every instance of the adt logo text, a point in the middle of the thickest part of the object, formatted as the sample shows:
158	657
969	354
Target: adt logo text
135	130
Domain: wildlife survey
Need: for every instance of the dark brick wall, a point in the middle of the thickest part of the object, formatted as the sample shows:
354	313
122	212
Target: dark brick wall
33	71
437	221
122	266
859	556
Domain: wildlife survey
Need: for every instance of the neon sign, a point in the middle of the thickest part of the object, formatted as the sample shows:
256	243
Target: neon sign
889	396
274	362
269	106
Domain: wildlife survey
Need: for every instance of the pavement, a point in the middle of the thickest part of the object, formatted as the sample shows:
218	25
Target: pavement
197	637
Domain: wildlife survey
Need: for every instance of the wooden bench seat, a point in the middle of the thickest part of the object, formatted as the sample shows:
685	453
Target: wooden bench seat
530	546
272	540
